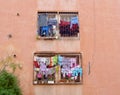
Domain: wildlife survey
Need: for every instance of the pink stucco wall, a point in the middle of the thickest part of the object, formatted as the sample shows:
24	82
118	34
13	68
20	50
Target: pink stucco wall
99	43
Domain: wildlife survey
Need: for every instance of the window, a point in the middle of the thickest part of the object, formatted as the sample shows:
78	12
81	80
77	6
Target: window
47	24
58	24
69	24
57	68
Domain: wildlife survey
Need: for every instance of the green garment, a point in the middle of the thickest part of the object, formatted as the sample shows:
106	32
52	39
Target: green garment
55	60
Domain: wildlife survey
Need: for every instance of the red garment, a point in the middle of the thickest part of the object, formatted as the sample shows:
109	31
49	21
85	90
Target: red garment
36	64
64	22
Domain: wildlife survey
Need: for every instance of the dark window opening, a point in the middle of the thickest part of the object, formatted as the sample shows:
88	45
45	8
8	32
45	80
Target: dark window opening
58	24
47	24
69	25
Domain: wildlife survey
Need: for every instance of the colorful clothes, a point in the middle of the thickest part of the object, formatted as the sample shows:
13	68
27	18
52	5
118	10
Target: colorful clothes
54	60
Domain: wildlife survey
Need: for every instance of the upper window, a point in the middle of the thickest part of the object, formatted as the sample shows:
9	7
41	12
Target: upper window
69	24
58	24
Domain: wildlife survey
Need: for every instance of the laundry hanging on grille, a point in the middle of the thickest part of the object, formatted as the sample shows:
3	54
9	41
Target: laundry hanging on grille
43	31
42	19
52	21
66	30
77	71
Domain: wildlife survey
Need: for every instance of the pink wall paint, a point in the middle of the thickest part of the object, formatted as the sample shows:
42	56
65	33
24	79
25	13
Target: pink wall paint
99	42
104	78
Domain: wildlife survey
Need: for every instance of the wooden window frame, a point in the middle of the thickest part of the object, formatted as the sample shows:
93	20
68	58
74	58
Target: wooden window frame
58	35
68	54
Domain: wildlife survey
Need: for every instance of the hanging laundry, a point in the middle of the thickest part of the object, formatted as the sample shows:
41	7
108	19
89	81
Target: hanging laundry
42	19
52	30
52	21
51	64
80	71
60	60
64	27
74	26
43	68
39	76
68	60
62	22
54	60
37	69
51	71
36	64
44	31
45	60
38	59
69	75
74	20
73	62
76	71
65	70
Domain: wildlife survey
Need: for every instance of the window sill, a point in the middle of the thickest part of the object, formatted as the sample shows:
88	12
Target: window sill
58	38
46	38
78	83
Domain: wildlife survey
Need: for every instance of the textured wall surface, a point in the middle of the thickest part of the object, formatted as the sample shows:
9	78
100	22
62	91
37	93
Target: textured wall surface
99	43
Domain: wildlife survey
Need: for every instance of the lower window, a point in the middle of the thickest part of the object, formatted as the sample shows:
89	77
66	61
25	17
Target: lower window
57	68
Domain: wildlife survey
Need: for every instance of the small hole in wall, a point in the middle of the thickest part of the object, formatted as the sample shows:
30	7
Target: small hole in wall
14	56
18	14
9	36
